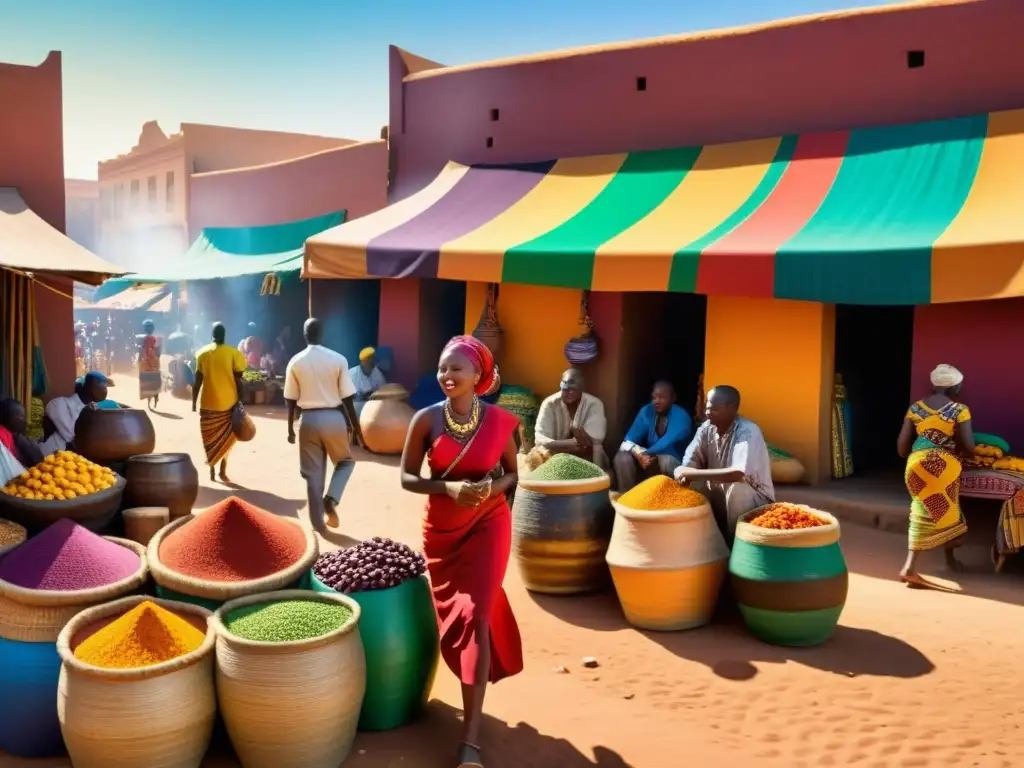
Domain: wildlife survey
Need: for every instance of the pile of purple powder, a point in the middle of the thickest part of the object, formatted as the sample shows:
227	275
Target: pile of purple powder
66	557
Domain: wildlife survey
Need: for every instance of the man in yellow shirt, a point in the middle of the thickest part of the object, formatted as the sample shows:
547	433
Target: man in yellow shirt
218	389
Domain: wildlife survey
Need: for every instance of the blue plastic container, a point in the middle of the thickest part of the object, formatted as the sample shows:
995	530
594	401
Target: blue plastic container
28	699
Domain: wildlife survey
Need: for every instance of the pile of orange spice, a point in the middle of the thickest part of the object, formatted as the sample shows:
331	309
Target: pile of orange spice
660	493
146	635
786	517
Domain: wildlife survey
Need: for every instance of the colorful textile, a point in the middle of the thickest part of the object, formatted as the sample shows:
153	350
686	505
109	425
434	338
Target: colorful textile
933	476
842	455
150	380
482	359
888	215
218	435
467	550
219	363
1010	531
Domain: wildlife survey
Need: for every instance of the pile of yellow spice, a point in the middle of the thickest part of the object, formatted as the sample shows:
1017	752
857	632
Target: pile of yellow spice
146	635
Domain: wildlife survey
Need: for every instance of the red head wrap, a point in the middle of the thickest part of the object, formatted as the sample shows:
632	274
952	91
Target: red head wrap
480	356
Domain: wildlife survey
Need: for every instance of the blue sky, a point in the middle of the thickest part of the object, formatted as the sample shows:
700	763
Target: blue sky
315	66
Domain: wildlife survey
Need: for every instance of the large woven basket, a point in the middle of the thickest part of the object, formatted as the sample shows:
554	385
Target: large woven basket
160	716
291	704
19	533
227	590
38	615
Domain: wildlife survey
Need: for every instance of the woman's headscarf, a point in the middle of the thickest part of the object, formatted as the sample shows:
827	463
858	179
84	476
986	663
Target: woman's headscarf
946	376
480	356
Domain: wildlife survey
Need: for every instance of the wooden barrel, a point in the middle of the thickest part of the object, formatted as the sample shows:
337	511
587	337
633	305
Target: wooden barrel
560	533
667	565
162	480
106	436
790	585
142	523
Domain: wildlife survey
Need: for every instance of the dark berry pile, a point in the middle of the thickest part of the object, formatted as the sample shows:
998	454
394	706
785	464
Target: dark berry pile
374	564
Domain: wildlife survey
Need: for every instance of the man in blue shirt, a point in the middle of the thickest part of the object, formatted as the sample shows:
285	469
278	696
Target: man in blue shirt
657	440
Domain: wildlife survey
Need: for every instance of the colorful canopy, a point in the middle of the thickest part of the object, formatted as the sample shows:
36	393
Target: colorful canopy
150	297
221	252
909	214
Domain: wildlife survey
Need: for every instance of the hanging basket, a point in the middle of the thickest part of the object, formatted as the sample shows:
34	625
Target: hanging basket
582	349
488	330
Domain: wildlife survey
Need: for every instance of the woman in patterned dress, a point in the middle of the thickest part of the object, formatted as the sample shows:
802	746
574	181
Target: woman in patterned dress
935	430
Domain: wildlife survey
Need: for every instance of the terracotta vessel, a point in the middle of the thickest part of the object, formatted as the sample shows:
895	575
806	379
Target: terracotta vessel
162	480
107	436
385	420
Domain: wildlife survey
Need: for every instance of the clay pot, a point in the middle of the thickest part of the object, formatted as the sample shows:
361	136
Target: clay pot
385	420
162	480
107	436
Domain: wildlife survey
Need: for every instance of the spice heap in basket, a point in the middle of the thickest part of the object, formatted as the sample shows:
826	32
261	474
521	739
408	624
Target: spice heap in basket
142	637
233	541
61	476
786	517
374	564
287	620
565	466
10	534
66	557
660	493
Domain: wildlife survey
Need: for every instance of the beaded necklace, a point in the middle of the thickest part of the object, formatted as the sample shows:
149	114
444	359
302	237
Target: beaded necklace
462	431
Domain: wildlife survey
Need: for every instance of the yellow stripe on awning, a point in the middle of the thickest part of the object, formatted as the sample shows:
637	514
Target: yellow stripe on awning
341	251
722	178
980	255
567	188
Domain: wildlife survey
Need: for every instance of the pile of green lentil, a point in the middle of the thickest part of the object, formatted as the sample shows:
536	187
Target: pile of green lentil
287	621
565	466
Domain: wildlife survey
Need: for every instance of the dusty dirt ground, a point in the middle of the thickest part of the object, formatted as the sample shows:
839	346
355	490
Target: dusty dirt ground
911	679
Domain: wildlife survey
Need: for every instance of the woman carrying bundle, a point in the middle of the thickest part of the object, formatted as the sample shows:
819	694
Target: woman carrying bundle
934	431
467	535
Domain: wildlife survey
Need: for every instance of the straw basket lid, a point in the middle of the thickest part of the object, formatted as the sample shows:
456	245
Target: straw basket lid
566	487
72	597
390	392
819	536
226	590
680	515
288	646
20	534
118	608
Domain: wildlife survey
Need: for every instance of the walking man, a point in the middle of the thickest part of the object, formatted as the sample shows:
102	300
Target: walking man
318	384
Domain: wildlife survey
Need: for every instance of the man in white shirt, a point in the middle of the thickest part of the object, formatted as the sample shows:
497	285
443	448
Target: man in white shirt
366	377
317	383
62	413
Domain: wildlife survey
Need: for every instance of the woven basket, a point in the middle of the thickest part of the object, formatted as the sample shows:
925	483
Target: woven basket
38	615
226	590
160	716
20	534
292	704
142	523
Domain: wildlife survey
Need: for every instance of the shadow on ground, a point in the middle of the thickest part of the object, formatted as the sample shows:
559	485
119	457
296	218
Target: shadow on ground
725	647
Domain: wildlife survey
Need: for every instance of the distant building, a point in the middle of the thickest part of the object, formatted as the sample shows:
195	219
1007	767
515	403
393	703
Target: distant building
82	211
144	195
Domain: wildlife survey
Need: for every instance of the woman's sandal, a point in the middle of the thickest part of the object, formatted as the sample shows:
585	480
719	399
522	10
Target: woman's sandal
468	761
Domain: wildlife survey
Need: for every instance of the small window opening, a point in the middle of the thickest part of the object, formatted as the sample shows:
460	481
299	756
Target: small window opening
494	115
915	59
641	83
490	142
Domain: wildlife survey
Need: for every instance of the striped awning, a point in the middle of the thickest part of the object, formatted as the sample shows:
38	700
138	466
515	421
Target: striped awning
909	214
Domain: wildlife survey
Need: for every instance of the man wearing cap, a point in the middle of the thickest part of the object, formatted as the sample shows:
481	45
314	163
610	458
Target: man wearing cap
62	412
572	421
366	377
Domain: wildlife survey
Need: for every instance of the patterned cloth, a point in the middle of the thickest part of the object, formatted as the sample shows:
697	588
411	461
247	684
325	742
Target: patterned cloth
150	380
842	457
218	435
1010	531
933	476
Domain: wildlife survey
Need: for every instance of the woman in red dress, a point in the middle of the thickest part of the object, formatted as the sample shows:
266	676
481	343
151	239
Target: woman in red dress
467	535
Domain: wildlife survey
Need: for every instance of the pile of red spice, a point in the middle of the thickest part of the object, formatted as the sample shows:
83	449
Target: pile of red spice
65	557
233	541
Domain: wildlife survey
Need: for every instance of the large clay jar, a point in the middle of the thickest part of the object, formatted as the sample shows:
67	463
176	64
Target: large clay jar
162	480
385	419
790	585
667	565
110	436
560	533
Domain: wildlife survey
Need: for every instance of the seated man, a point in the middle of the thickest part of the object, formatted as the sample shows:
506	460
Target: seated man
572	421
655	443
366	377
728	461
62	412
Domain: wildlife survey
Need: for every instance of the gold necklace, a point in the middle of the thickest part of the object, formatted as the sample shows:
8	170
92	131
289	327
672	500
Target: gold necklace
462	430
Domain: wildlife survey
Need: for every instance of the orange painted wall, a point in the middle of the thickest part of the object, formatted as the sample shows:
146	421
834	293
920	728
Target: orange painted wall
537	322
780	355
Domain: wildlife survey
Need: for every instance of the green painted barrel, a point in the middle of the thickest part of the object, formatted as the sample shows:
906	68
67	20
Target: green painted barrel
790	585
400	640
